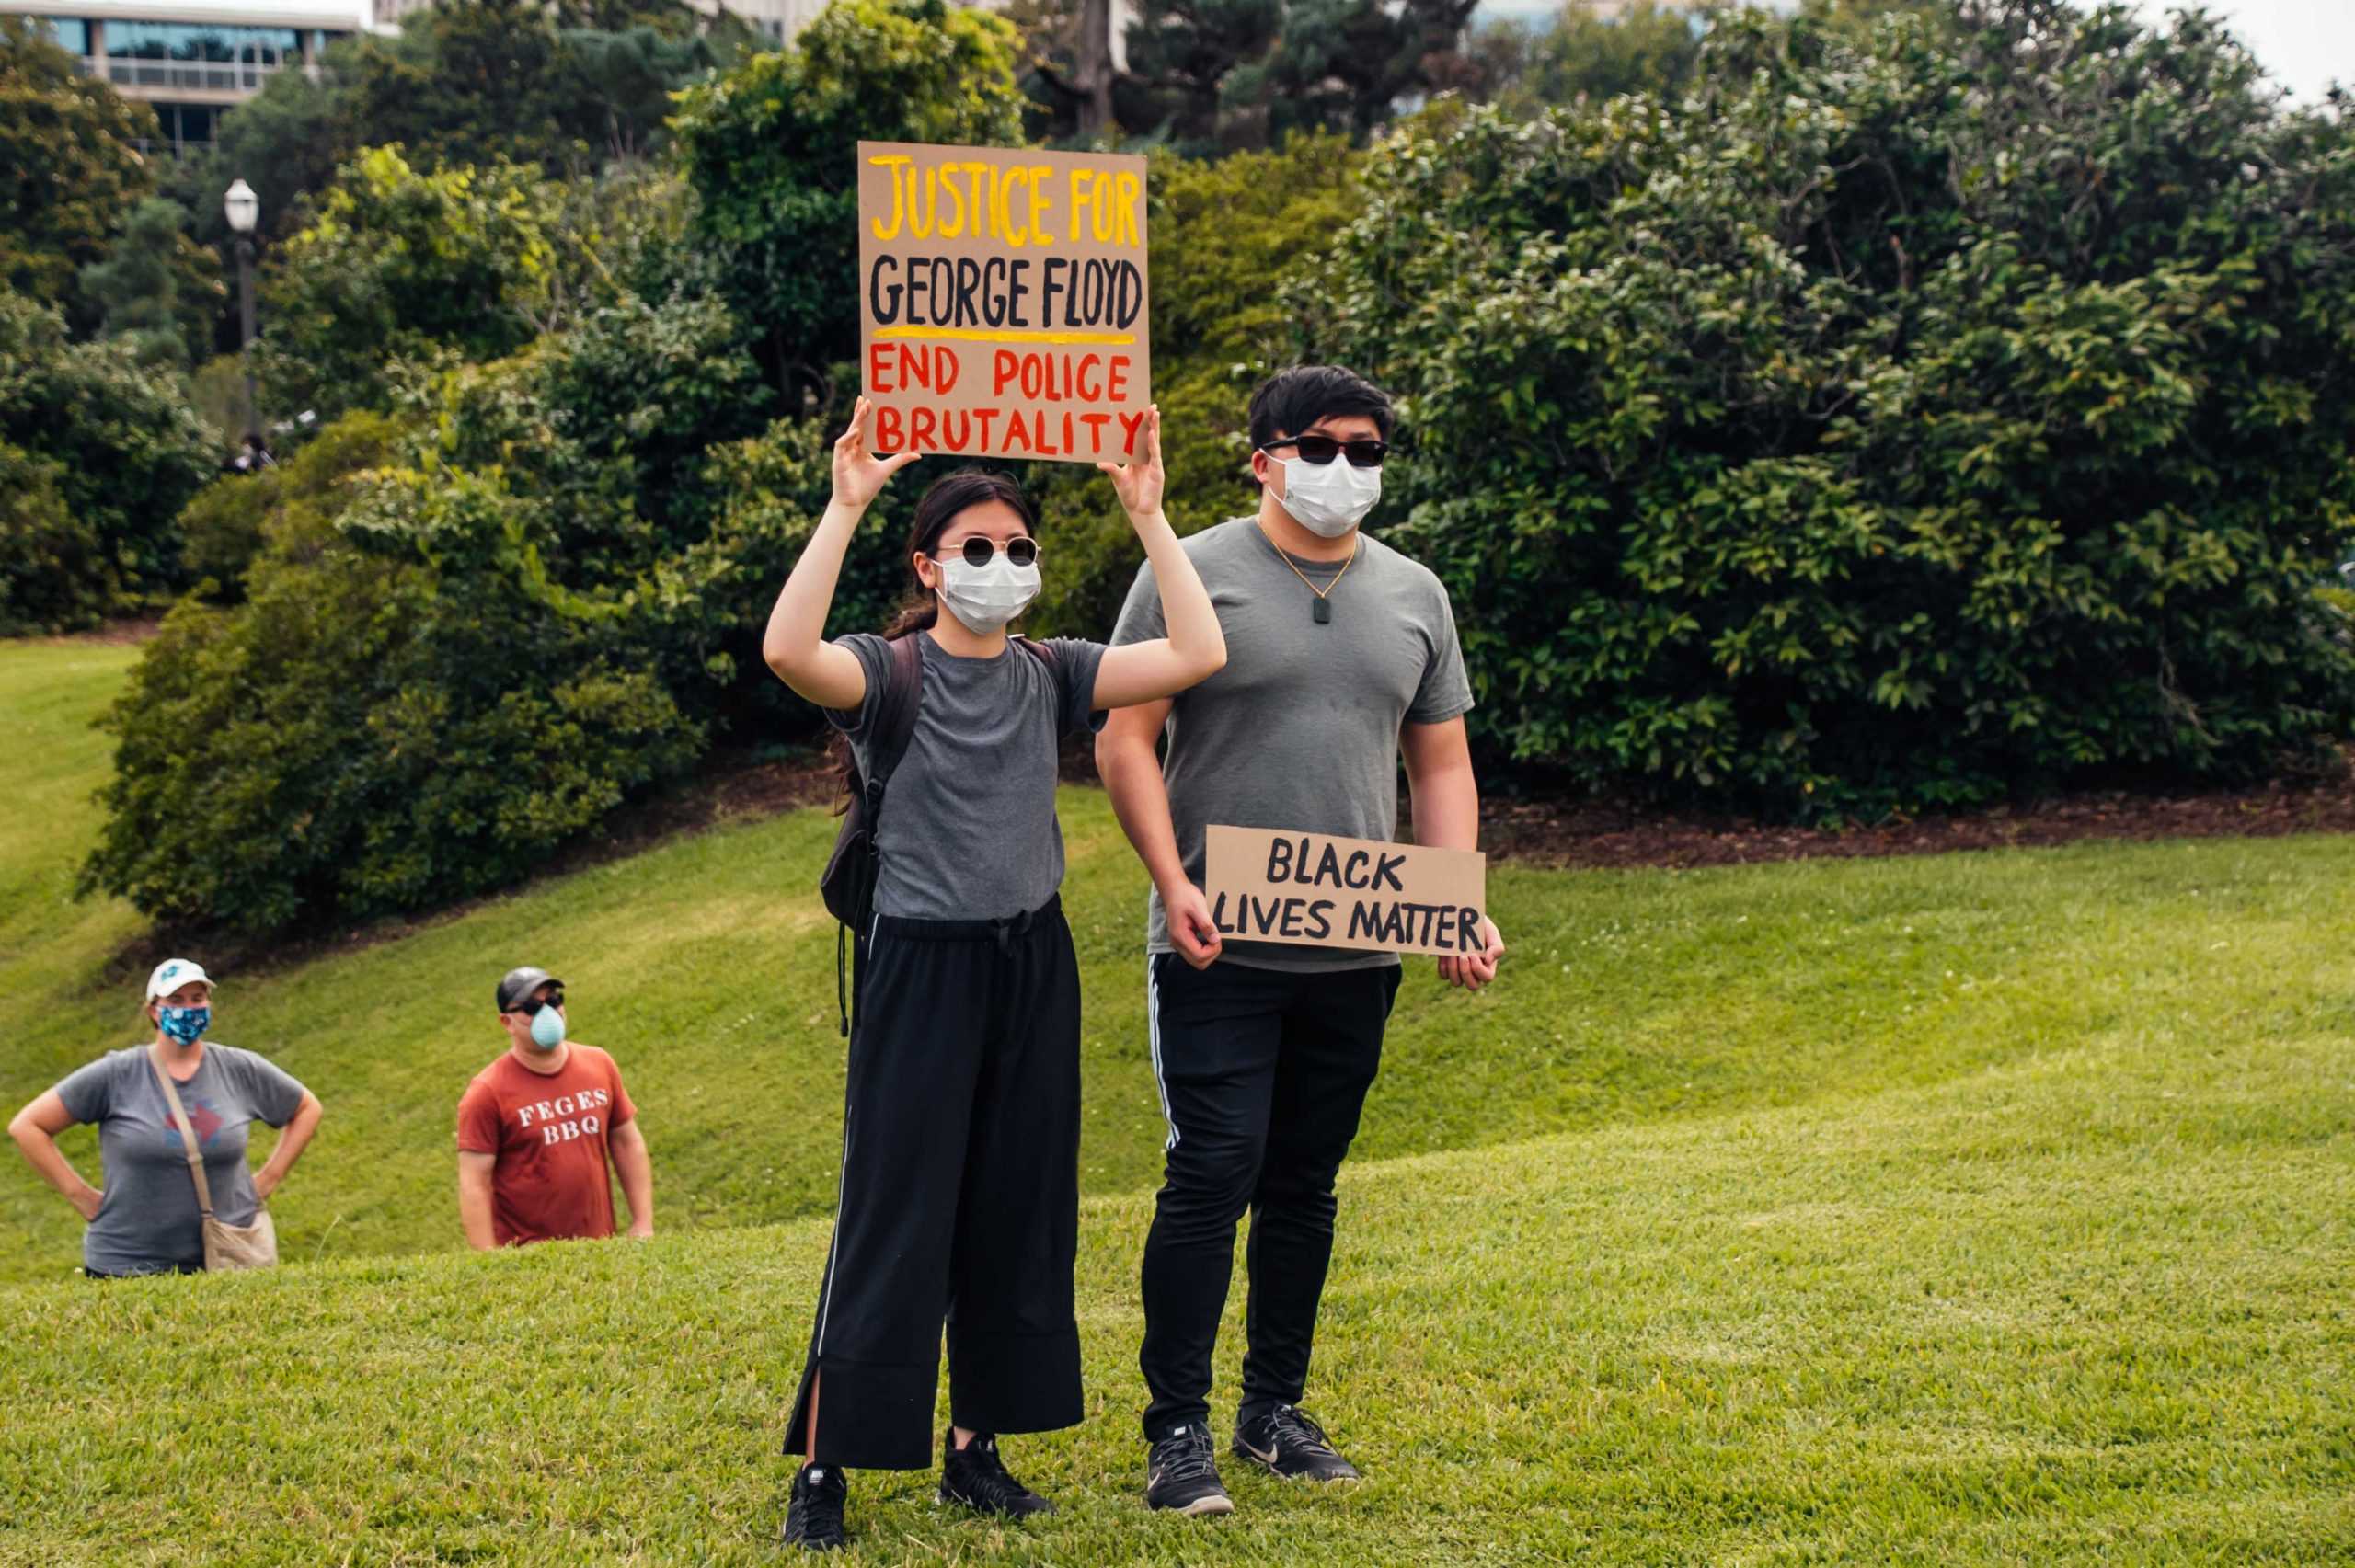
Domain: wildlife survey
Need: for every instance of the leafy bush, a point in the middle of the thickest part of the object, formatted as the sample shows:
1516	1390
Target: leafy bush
52	571
229	522
401	264
122	454
471	631
771	150
1904	419
404	713
1225	238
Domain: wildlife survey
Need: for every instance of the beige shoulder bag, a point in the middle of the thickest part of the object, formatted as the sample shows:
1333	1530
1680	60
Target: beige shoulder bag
225	1246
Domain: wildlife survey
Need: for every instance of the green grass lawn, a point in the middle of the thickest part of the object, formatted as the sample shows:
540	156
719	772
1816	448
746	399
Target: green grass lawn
2086	1305
1984	1209
707	966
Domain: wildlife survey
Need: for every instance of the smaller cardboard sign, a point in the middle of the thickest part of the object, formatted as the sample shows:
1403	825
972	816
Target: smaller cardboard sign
1315	890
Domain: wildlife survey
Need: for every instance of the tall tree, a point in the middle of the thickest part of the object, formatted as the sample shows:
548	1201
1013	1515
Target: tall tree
1587	53
1242	73
157	287
769	149
70	171
1186	49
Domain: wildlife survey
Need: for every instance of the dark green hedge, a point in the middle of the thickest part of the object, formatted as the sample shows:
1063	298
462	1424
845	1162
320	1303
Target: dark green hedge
1911	423
98	455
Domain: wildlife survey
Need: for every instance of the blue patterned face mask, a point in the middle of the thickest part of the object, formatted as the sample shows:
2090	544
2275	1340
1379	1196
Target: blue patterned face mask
184	1024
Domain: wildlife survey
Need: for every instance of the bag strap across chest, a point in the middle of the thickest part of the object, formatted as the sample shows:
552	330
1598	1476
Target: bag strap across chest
187	1136
895	712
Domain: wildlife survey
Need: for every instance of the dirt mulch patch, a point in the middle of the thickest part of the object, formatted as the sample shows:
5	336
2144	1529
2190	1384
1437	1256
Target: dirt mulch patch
1575	834
1536	833
113	634
1556	831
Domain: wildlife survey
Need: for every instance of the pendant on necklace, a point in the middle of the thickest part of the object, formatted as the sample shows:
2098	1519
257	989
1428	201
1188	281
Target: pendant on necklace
1321	612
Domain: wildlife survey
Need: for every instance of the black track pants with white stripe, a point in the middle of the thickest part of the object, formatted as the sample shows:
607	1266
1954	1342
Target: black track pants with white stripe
1262	1075
959	1194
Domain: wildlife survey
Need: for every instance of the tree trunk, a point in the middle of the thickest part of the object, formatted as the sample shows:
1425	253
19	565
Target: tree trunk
1093	72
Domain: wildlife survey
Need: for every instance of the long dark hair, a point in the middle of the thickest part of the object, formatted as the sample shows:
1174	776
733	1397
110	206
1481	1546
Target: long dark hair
949	496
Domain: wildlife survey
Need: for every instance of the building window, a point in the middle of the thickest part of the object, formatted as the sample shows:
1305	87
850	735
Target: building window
197	124
182	55
72	35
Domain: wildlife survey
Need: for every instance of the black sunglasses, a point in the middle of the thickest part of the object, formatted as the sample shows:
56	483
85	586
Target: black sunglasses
1322	449
979	547
530	1007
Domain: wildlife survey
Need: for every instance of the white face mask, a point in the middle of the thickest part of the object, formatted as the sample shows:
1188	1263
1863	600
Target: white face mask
984	599
1328	498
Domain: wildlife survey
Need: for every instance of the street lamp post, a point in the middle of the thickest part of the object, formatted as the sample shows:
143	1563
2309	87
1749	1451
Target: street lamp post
244	209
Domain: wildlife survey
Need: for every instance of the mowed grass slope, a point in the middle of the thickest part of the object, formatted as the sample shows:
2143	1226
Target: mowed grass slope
2086	1305
1992	1209
707	966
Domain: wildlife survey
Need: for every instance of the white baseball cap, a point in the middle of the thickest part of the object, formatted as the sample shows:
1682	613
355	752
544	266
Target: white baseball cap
174	973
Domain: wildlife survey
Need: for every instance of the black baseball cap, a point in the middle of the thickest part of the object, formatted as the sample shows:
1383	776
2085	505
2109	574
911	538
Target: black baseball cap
520	983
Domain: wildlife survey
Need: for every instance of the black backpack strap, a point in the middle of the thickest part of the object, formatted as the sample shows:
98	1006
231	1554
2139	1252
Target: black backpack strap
895	715
895	727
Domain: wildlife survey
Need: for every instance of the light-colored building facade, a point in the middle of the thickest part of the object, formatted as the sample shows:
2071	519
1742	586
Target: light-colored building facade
778	18
192	63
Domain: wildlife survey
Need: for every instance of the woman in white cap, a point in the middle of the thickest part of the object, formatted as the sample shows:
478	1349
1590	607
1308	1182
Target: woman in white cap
148	1220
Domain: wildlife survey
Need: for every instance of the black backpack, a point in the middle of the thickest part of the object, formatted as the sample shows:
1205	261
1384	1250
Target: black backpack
847	885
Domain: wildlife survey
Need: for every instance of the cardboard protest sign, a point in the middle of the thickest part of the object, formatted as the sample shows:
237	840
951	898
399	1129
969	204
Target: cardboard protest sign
1316	890
1003	310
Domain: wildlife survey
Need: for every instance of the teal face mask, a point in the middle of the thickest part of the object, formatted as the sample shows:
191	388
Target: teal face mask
548	1028
185	1026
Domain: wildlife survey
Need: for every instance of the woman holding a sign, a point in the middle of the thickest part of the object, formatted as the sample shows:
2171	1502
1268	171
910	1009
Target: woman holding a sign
961	1126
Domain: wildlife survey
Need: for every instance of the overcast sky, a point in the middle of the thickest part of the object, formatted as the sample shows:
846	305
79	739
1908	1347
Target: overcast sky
2304	44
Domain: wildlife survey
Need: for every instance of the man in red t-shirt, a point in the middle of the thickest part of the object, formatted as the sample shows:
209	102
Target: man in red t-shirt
541	1130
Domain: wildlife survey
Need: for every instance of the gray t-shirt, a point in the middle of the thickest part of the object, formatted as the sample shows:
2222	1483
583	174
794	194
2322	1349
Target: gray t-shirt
968	829
149	1221
1301	728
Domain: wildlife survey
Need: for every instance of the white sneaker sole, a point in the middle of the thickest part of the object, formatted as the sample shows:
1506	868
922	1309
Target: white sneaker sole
1202	1507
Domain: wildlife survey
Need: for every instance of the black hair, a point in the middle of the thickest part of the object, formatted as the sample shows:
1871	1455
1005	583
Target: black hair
1291	400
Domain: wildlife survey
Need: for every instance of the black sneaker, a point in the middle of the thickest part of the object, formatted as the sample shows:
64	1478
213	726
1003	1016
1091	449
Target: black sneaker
1181	1474
813	1519
975	1477
1289	1444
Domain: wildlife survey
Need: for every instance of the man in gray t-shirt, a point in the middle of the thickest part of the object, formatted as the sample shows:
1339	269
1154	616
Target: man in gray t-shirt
1304	732
1342	657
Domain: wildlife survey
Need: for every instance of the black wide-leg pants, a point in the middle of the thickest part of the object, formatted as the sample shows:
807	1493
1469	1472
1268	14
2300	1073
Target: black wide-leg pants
959	1194
1263	1073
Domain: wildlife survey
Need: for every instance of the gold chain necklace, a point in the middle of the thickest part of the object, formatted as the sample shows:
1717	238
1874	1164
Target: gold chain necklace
1320	611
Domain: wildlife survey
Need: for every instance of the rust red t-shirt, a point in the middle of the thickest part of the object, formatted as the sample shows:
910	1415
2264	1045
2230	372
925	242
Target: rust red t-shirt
553	1178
